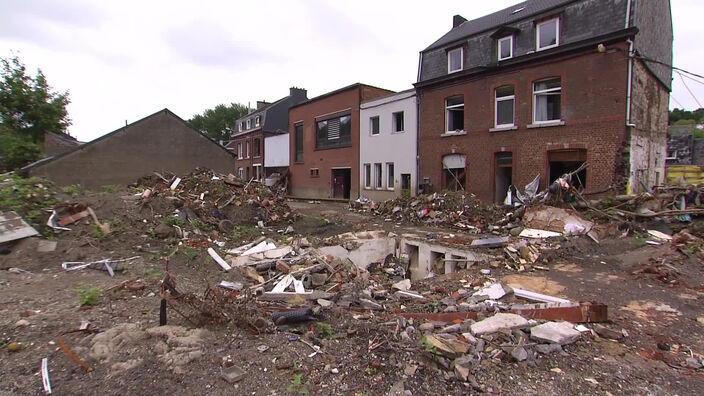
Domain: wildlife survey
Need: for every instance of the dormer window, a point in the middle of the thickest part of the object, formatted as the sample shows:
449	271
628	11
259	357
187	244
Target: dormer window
249	123
256	121
239	127
505	48
455	60
547	34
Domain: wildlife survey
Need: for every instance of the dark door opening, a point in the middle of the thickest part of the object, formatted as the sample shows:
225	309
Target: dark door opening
405	184
341	183
566	161
502	175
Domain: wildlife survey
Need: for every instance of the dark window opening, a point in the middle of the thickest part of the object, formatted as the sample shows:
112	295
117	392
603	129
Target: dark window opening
335	132
503	175
566	161
299	142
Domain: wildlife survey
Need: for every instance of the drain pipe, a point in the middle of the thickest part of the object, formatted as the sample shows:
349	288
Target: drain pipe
630	67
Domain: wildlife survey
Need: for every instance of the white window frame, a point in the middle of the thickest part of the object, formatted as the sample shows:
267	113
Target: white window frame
390	174
257	171
538	30
249	123
510	47
549	91
247	148
240	173
256	121
449	61
394	123
239	150
448	109
496	108
368	176
239	127
371	126
378	175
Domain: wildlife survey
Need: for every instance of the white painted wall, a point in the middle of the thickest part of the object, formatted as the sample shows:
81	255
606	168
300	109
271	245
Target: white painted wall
388	146
276	151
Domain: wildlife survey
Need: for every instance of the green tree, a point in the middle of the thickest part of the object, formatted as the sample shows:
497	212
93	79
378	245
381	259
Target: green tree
219	122
28	110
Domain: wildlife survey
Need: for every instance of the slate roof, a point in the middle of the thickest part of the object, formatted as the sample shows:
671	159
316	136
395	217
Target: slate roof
497	19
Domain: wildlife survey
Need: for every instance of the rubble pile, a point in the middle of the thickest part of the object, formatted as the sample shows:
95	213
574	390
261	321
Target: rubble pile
210	201
460	210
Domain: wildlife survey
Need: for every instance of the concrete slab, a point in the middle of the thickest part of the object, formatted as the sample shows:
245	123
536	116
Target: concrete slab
498	322
372	251
335	251
490	242
12	227
555	333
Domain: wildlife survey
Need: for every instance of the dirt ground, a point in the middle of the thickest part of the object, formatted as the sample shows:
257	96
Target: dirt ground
361	354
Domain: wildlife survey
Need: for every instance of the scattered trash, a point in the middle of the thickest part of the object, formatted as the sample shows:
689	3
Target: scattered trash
13	227
108	265
46	383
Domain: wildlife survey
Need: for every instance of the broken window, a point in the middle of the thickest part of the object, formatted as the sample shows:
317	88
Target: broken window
299	142
503	172
257	148
504	105
390	175
565	161
454	173
378	178
367	175
454	114
546	100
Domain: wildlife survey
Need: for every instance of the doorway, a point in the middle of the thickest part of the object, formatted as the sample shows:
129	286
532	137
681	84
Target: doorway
341	183
405	184
566	161
503	171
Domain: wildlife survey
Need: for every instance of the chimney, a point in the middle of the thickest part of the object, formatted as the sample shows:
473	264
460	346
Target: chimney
298	94
457	20
261	103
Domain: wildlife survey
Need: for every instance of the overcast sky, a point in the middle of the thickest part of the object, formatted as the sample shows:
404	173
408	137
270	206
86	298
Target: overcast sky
124	60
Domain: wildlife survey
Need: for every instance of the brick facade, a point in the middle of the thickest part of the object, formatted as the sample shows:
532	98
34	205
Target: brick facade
305	181
593	107
247	162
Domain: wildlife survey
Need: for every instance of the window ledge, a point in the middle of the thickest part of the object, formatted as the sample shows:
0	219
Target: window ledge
503	128
458	133
393	133
546	124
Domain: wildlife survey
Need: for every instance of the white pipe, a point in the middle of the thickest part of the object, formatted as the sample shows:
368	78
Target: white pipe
629	90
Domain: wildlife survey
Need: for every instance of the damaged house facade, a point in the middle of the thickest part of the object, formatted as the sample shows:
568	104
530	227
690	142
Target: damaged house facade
325	144
540	87
268	121
388	136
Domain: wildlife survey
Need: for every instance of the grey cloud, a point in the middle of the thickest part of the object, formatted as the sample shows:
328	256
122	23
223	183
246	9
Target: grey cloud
206	44
26	19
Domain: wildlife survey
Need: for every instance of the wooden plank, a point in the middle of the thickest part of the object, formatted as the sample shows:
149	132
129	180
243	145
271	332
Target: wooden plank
12	227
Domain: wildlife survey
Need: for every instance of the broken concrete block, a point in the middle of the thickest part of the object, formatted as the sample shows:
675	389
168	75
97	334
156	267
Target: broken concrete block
494	291
462	366
519	353
278	253
693	363
490	242
430	326
232	374
163	231
562	333
447	344
498	322
607	332
369	304
371	251
240	261
325	303
547	349
335	251
404	285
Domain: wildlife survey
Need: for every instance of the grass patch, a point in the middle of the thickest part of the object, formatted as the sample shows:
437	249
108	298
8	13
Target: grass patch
28	197
96	232
173	221
109	188
297	386
87	296
189	252
324	330
242	231
71	190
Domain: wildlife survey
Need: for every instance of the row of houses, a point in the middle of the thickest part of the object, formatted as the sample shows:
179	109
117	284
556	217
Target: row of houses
534	89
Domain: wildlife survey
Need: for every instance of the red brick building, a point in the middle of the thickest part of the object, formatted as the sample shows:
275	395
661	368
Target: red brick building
269	119
324	143
541	87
